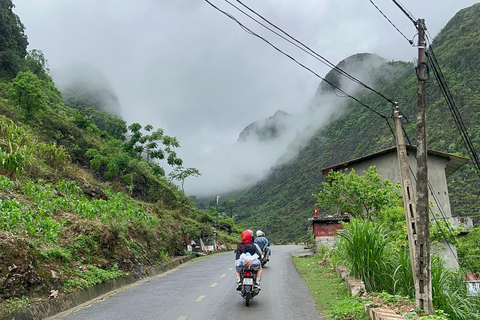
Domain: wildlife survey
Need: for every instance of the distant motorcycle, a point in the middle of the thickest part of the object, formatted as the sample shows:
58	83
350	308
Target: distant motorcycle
248	278
264	259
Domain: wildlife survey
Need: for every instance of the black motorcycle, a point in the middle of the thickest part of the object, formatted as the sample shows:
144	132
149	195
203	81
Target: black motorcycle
264	259
248	290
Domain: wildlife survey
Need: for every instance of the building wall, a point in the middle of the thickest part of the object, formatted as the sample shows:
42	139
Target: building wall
389	168
325	229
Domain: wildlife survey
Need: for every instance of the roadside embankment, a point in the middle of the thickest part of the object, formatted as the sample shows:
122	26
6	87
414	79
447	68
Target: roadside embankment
72	300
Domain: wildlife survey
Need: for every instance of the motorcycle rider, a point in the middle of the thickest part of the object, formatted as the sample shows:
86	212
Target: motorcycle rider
263	243
255	243
247	246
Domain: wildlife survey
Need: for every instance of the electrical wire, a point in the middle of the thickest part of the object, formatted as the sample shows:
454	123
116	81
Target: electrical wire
406	12
245	28
328	63
439	206
452	107
410	41
303	47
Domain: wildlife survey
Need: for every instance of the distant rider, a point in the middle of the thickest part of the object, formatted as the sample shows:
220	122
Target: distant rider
247	246
263	243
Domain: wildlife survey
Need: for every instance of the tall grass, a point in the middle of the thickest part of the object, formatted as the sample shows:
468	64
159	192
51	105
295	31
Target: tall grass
403	275
449	293
369	252
363	248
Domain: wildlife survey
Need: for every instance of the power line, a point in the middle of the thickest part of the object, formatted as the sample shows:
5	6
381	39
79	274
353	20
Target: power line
249	31
453	108
439	206
410	41
304	47
406	12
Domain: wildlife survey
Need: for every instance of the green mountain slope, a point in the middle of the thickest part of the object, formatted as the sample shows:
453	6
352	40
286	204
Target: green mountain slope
79	205
281	204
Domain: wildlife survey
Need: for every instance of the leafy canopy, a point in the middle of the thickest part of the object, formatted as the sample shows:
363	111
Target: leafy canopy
140	143
180	174
362	196
26	92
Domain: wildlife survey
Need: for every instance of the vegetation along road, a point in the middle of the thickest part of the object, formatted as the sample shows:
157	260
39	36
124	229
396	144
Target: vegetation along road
205	289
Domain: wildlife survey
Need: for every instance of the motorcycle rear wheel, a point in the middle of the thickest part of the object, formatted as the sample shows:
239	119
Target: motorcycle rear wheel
247	298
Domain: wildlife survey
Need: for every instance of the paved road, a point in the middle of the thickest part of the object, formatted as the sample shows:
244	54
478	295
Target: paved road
205	289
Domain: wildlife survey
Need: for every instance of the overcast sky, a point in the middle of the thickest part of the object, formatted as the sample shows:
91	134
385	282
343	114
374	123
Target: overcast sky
183	66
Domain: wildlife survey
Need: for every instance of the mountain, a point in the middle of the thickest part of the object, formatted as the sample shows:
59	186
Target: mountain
79	202
281	203
266	129
84	86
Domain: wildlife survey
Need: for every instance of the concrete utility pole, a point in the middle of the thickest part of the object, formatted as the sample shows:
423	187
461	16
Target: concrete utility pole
407	189
217	196
216	231
423	281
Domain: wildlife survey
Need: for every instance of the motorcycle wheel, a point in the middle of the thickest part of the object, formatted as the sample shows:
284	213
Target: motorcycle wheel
247	298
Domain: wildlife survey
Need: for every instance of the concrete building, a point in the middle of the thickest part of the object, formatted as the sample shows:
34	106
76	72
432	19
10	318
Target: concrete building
440	166
325	228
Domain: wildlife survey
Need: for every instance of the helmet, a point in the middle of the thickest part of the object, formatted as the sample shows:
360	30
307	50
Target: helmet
251	232
259	233
246	235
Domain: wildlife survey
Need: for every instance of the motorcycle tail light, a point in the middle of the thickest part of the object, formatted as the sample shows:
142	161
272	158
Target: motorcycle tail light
248	274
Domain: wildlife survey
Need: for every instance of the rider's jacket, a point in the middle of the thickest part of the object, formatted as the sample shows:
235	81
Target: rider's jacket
246	247
262	242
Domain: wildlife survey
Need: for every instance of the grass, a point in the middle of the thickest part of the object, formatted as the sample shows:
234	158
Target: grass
328	290
90	277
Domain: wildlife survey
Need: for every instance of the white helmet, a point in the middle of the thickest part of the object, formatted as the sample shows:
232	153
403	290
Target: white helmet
259	233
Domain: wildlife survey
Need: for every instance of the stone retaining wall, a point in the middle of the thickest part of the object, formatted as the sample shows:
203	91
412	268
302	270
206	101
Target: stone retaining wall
355	287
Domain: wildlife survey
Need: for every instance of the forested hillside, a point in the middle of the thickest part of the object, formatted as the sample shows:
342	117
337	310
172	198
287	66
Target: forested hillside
83	196
282	203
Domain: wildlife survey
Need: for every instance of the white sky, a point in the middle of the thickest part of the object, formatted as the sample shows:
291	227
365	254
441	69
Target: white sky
183	66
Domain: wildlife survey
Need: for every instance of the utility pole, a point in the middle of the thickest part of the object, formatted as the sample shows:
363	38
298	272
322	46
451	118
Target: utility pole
422	270
217	196
216	232
407	190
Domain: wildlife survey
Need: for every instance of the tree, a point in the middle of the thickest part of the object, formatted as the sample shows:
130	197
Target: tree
26	92
13	42
149	144
113	157
37	63
361	196
112	124
180	174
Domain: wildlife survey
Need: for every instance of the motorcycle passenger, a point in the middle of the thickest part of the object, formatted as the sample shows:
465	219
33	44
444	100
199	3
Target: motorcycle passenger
247	246
256	244
263	243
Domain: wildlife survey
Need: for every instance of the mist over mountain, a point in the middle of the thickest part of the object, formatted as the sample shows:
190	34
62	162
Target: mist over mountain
267	129
84	86
340	129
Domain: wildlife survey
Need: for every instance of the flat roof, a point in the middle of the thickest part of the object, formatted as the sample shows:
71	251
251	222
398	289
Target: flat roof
454	162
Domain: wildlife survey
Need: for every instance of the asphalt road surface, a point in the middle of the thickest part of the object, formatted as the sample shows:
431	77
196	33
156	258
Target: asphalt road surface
205	289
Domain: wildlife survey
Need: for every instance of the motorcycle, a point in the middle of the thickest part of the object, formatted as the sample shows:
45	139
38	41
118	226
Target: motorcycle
264	259
248	290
